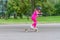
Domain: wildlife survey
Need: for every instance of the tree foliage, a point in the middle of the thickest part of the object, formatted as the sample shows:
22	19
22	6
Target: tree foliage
26	7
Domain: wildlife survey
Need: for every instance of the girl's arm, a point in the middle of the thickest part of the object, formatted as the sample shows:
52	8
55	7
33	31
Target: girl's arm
40	13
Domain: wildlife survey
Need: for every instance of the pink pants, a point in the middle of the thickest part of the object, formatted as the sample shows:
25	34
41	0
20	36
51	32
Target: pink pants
34	22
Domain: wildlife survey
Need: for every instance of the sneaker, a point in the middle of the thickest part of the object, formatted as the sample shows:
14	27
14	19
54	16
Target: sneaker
36	29
32	27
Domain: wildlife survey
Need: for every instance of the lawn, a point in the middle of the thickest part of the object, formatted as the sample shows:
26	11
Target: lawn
49	19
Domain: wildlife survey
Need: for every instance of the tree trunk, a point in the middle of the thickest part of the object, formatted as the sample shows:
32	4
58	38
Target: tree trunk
33	5
15	16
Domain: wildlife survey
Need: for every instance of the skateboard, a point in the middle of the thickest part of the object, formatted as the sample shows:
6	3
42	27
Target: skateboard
31	30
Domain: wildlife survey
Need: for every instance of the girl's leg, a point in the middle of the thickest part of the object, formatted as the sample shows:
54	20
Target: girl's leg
34	23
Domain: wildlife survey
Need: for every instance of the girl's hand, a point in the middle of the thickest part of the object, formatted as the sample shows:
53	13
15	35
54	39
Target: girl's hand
40	14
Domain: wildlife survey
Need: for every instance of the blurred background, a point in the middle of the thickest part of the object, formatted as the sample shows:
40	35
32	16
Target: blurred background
20	11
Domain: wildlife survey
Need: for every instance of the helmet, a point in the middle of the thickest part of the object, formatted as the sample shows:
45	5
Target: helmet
38	8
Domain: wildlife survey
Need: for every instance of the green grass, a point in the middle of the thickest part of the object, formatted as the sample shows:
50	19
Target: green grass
49	19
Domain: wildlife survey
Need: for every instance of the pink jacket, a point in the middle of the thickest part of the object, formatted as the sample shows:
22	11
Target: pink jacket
35	14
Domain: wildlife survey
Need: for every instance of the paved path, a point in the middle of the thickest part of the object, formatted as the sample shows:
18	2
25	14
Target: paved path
16	32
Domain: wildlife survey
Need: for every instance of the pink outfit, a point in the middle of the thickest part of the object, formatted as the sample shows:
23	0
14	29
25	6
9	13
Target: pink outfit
34	16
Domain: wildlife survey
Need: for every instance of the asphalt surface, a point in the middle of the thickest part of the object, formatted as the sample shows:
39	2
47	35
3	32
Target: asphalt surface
16	32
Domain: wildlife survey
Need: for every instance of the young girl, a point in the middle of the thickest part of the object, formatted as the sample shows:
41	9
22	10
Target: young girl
34	17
